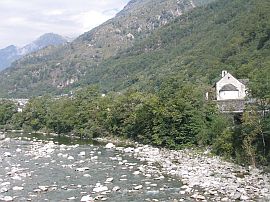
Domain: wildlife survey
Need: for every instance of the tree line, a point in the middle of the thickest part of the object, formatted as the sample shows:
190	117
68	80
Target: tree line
175	116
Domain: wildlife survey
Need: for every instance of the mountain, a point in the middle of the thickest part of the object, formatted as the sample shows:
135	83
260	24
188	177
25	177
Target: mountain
12	53
55	69
42	42
7	56
149	42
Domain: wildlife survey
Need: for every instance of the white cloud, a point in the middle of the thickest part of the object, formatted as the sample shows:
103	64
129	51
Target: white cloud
23	21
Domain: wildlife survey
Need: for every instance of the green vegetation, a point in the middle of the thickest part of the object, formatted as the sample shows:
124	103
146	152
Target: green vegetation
7	110
175	117
155	88
196	46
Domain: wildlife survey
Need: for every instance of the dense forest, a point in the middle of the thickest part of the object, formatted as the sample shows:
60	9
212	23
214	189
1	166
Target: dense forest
155	89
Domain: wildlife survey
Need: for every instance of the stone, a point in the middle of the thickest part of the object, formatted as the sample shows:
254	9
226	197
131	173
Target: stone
43	188
184	187
236	196
213	192
129	150
100	188
148	175
3	189
5	184
159	178
110	146
81	153
7	198
71	198
2	136
109	180
82	169
244	198
37	190
116	188
16	188
7	154
138	187
200	197
182	192
87	198
70	158
136	172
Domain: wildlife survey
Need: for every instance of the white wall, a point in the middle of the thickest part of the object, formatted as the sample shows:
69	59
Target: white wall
227	95
229	79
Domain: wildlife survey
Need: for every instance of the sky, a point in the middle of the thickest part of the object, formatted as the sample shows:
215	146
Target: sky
23	21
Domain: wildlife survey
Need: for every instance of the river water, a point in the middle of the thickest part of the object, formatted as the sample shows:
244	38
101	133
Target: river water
38	168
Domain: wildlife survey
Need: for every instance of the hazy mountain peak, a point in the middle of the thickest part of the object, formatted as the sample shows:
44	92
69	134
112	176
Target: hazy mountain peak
12	53
43	41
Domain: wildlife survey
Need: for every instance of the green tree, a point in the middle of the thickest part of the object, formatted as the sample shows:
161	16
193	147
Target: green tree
251	129
7	110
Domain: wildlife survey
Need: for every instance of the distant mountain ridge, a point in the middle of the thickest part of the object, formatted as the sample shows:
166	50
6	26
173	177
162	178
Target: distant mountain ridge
12	53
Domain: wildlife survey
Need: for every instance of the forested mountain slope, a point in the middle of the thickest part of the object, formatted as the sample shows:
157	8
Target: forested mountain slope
58	69
232	35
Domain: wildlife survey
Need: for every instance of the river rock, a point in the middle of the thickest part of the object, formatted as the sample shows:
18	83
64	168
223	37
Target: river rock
138	187
236	196
136	172
100	188
109	180
87	198
82	169
182	192
244	198
7	198
7	154
81	153
37	190
16	188
43	188
3	189
116	188
129	150
110	146
70	158
71	198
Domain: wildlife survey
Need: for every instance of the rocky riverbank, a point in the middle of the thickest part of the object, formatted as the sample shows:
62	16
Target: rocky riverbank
203	176
37	170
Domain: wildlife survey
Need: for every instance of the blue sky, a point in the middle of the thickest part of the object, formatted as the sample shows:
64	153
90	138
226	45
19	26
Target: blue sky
22	21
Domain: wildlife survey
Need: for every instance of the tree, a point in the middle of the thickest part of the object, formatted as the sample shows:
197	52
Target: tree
251	129
7	110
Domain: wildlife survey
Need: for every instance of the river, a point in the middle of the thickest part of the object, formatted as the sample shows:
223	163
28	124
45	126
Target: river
38	168
52	168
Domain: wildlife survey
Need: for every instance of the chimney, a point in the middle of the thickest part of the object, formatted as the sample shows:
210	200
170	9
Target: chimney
223	73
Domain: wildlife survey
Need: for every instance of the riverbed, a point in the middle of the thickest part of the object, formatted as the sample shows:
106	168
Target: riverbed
48	169
42	168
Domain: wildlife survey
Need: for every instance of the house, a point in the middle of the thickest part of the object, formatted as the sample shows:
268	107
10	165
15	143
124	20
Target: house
230	88
230	93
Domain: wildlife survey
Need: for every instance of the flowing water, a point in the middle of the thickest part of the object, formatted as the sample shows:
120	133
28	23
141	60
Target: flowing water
38	168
